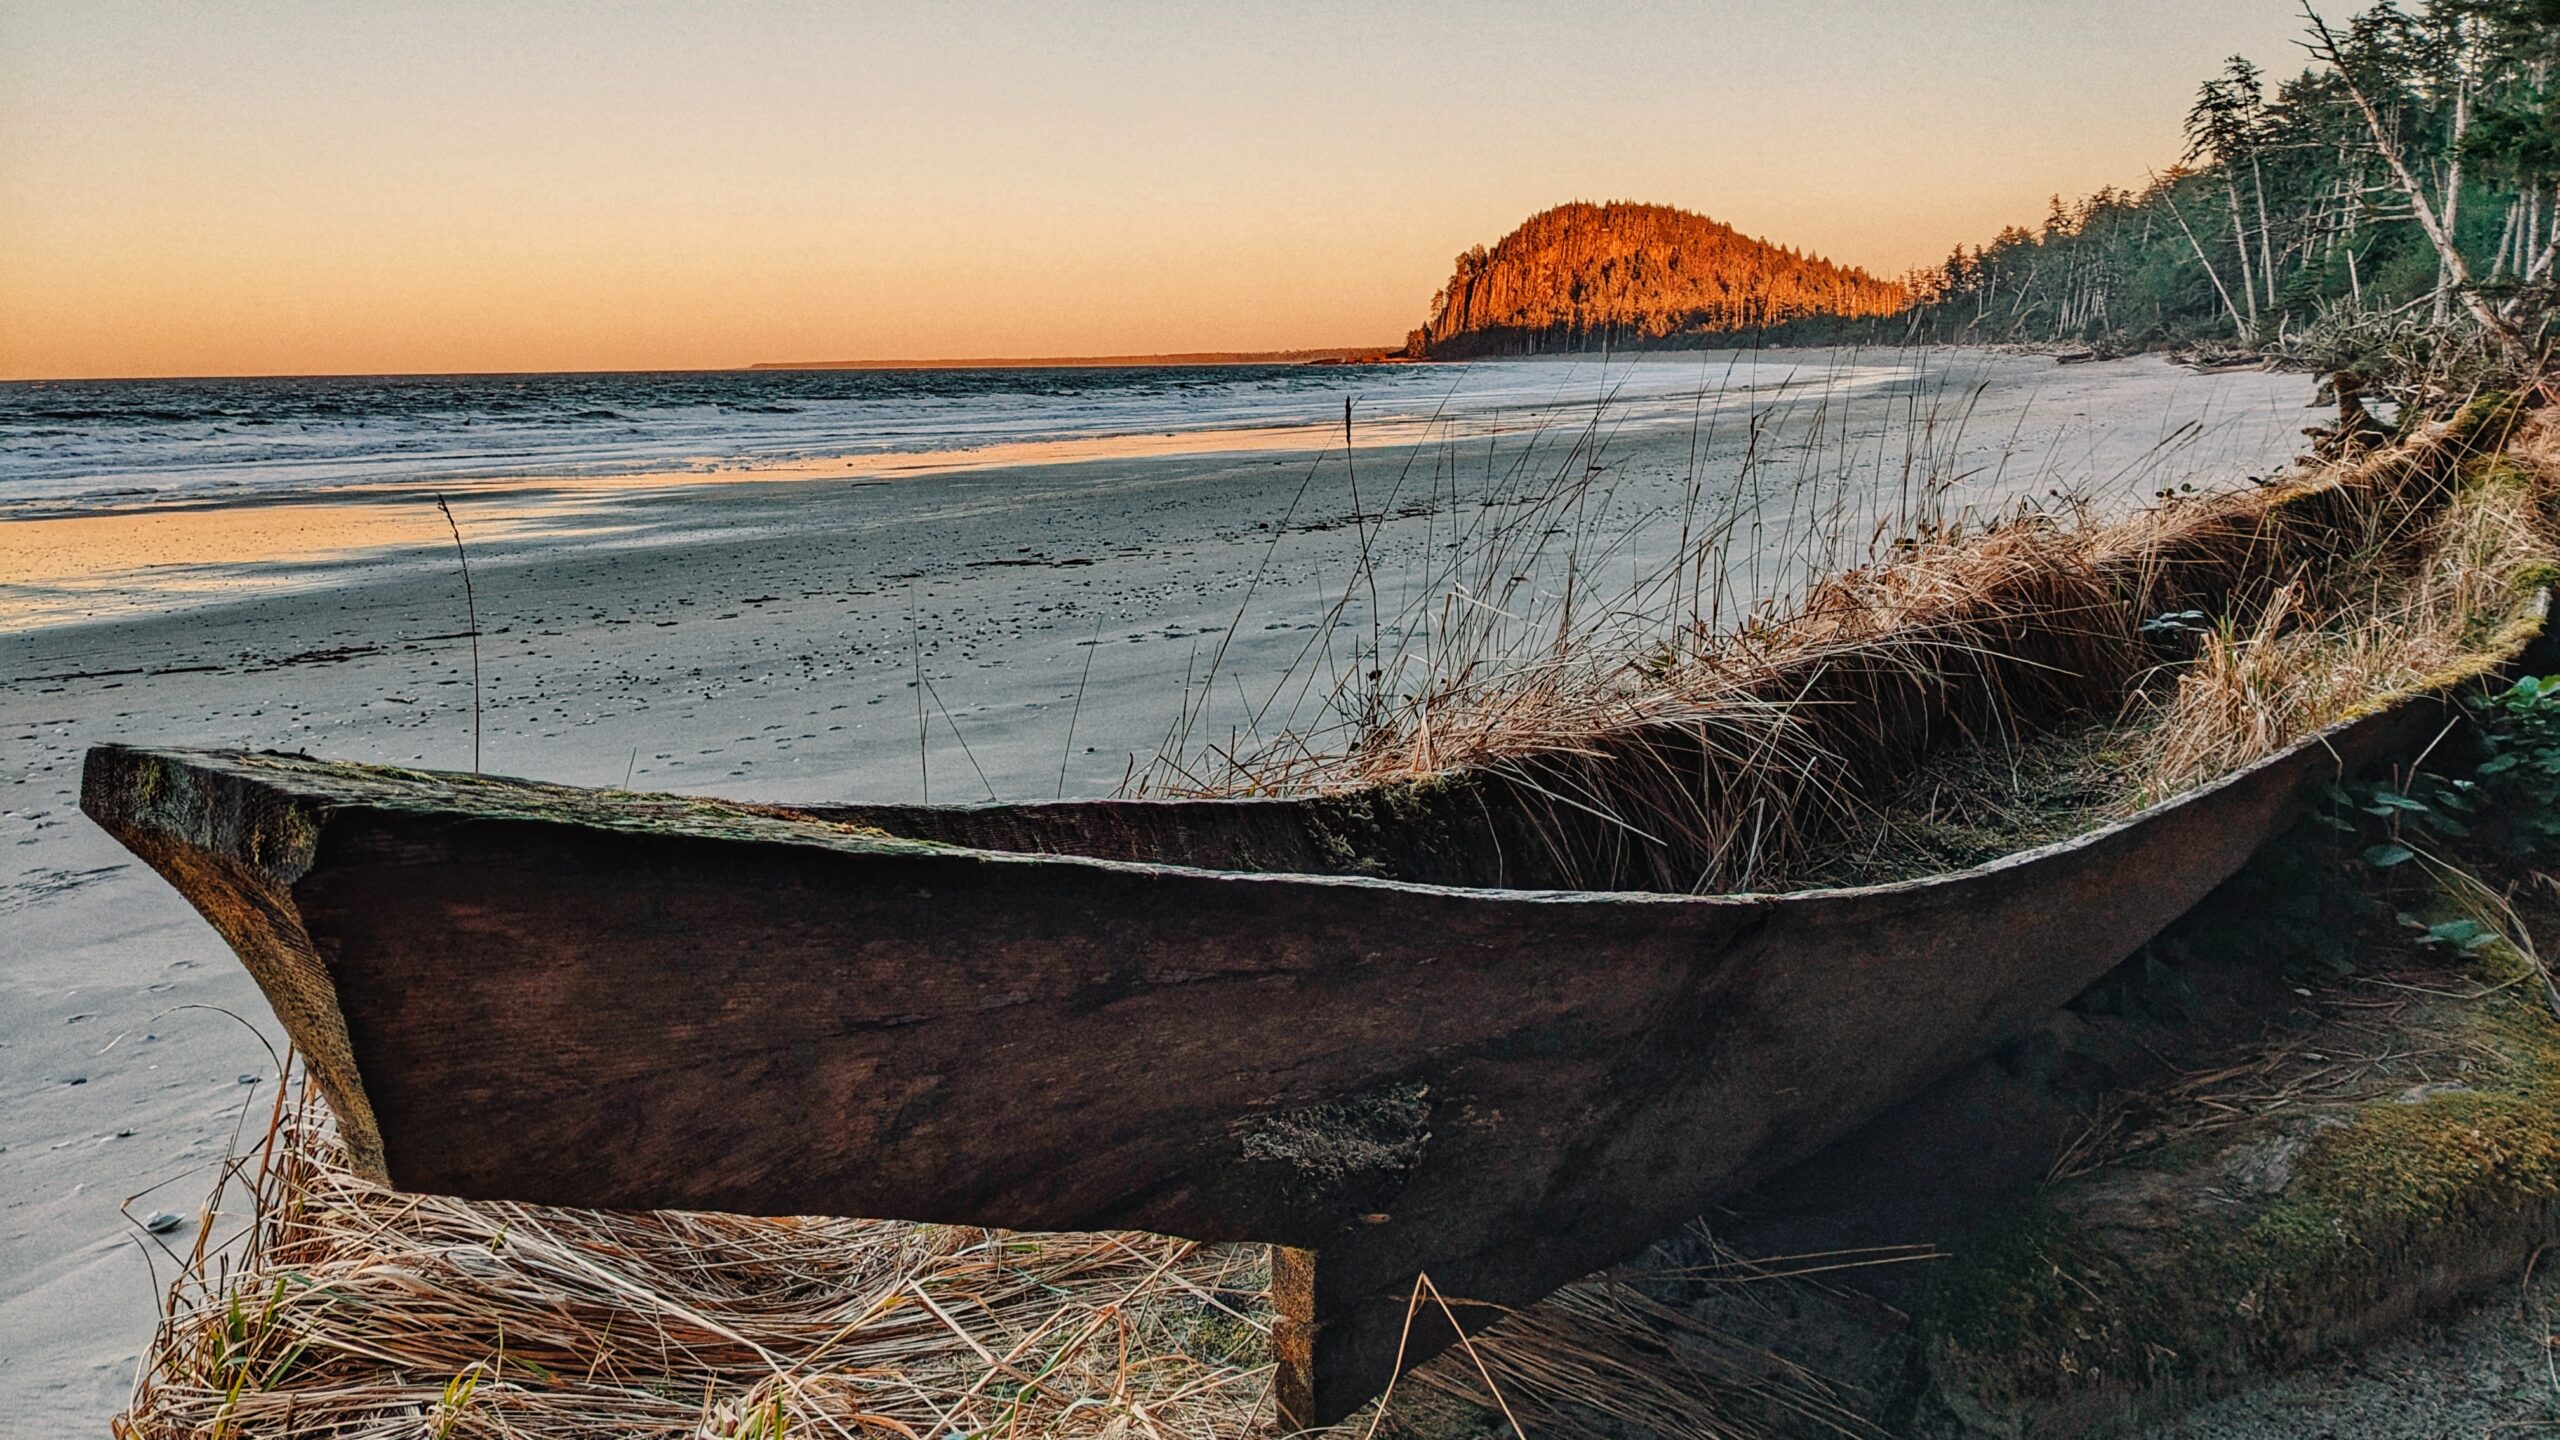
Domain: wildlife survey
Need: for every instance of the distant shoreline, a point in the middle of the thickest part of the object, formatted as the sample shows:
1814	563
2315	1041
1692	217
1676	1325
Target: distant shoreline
1350	355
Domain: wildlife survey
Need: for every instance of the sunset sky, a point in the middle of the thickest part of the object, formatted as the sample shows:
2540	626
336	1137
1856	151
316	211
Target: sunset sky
252	188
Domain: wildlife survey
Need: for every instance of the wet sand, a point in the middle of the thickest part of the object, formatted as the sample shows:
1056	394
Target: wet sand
754	636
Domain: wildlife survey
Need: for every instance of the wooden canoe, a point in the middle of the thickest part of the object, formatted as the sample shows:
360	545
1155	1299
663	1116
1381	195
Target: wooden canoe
1120	1015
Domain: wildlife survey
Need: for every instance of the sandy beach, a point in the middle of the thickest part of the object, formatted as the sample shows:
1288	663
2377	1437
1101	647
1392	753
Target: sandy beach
758	634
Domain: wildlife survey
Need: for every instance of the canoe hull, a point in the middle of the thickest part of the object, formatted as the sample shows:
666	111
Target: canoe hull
534	993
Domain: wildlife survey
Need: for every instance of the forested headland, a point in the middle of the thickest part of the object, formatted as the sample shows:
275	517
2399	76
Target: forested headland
2395	204
1584	276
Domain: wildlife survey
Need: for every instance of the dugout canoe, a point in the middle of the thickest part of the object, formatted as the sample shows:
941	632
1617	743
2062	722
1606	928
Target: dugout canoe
1126	1014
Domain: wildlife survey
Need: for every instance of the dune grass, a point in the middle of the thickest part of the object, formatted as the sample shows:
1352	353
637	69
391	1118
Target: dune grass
344	1309
1663	749
347	1309
2416	596
2406	610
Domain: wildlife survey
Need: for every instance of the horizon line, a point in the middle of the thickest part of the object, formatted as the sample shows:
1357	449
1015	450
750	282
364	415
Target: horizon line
1347	353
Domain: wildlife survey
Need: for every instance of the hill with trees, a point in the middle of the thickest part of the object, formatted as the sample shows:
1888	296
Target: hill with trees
1621	275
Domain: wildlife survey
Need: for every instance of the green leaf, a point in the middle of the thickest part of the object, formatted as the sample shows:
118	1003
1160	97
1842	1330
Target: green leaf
2457	932
2383	857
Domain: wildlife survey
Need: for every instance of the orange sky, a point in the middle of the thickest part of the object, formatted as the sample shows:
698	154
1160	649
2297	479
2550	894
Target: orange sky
299	188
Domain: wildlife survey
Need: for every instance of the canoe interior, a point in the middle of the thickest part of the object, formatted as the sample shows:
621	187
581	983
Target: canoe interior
1634	814
1656	806
1449	831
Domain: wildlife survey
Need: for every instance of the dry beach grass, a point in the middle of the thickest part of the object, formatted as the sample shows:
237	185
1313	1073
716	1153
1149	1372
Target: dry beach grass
2406	606
343	1309
1667	750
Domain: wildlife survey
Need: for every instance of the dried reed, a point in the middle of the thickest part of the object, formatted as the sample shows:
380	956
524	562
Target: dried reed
1726	759
2406	610
343	1309
350	1310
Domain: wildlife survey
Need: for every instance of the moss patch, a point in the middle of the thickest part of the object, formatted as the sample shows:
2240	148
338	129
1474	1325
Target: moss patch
1352	1152
2257	1246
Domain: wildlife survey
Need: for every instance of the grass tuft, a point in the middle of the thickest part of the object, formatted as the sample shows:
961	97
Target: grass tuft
347	1309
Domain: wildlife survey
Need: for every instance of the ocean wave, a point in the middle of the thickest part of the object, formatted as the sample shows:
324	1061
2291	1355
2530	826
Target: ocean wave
70	441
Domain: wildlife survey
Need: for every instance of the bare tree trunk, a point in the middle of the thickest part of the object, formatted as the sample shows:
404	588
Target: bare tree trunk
2453	167
2266	262
2239	326
2447	254
2354	202
2550	251
2240	242
2531	239
2550	247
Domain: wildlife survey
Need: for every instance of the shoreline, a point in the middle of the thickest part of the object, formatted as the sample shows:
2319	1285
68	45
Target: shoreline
60	557
1243	422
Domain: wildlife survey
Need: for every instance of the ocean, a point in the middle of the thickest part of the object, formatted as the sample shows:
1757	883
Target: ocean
85	446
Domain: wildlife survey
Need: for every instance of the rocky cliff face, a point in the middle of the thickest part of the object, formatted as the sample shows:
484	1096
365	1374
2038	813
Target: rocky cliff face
1582	276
